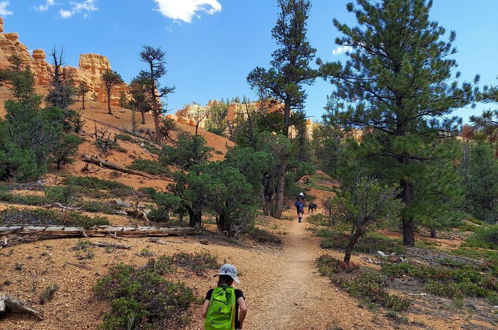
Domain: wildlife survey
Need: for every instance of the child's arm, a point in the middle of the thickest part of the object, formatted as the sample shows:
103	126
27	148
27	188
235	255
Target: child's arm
242	311
204	308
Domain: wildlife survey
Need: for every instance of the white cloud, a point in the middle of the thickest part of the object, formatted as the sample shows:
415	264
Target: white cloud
46	6
185	10
3	8
65	13
342	49
84	7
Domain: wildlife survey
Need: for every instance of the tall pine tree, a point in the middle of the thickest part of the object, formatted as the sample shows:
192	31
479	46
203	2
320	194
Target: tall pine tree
290	70
398	88
155	60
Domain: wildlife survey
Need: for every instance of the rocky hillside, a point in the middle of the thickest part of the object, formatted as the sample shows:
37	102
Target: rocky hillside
90	70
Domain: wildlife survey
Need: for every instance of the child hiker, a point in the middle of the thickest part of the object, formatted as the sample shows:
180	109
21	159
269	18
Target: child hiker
300	209
224	307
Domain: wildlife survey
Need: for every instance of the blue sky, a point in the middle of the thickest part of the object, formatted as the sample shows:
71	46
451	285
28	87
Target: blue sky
212	45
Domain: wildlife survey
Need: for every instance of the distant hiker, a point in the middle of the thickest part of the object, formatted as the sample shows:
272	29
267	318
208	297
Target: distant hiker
312	208
224	307
300	209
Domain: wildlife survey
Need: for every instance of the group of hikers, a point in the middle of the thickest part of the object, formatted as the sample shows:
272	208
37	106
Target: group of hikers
224	307
299	204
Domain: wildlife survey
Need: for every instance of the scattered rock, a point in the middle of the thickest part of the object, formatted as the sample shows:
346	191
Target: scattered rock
381	254
204	241
121	203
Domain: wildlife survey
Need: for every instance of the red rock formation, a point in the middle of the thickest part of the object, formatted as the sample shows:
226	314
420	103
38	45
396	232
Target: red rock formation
91	67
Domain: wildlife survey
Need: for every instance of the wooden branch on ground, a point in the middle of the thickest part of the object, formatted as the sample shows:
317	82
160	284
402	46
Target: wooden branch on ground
156	240
17	306
62	207
98	231
112	166
110	245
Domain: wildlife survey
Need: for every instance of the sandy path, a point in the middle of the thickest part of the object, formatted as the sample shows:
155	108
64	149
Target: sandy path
299	298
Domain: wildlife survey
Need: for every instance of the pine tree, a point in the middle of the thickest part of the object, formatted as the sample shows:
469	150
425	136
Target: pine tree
81	91
154	58
290	70
480	182
110	78
486	125
61	92
140	95
398	87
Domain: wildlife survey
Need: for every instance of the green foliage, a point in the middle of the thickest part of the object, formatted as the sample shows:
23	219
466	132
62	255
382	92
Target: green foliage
166	203
233	200
98	207
485	237
189	150
66	150
149	166
253	164
154	59
94	183
147	192
328	266
262	236
48	293
140	298
23	82
110	78
158	215
404	107
23	199
83	250
14	216
140	99
81	91
216	121
60	194
199	263
72	121
291	62
126	137
370	243
61	91
364	203
367	285
463	280
479	169
28	137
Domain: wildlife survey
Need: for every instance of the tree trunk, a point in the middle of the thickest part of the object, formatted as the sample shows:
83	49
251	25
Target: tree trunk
109	101
349	248
52	231
265	204
112	166
195	217
433	233
407	220
222	224
83	102
156	124
408	231
143	116
278	203
286	119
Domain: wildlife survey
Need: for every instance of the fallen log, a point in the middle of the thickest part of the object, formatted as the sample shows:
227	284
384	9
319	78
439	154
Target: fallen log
112	166
97	231
17	306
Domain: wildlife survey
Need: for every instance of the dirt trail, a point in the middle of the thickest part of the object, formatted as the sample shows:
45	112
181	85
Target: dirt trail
298	297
